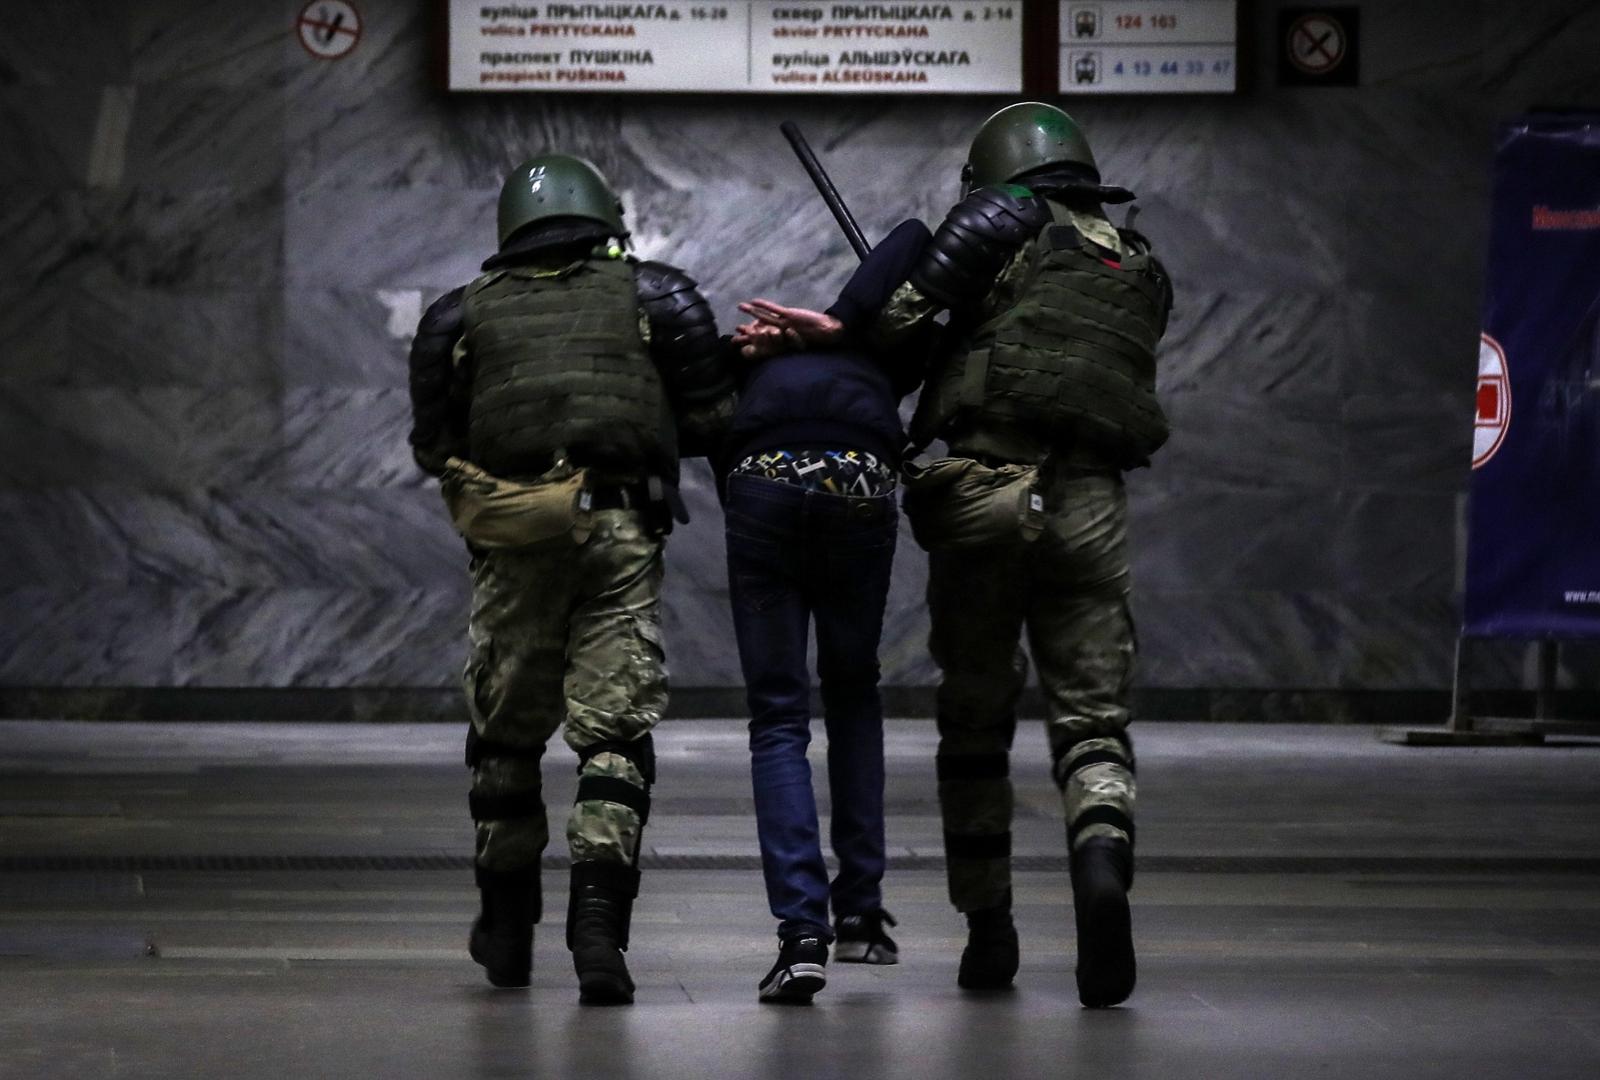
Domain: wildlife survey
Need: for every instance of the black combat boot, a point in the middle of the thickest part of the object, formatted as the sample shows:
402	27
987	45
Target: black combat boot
598	913
1102	872
989	962
502	934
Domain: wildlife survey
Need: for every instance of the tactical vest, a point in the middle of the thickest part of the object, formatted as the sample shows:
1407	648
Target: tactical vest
1071	363
558	364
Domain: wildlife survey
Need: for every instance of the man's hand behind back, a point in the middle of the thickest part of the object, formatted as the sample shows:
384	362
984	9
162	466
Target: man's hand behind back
775	329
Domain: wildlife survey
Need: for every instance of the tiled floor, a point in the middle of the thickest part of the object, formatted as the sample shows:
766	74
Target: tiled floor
1311	902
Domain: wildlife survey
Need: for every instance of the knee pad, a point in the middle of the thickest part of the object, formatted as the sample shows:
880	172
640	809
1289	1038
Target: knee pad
641	752
479	748
1063	762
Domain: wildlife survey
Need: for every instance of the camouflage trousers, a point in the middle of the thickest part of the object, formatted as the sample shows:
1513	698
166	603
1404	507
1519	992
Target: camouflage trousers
1068	589
565	631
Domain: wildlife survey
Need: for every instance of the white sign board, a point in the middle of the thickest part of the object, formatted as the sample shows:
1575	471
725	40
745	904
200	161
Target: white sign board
754	46
1149	46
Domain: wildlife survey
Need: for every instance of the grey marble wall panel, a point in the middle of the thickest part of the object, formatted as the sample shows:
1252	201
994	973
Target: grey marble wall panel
46	132
1540	53
343	438
696	618
1402	46
47	230
112	635
172	438
335	336
64	538
374	540
1268	240
1413	140
904	652
318	637
1389	542
142	337
205	43
213	136
1399	641
697	624
1250	638
1278	344
1212	536
1289	146
362	237
195	237
1413	341
65	42
1224	439
32	328
1407	441
1394	238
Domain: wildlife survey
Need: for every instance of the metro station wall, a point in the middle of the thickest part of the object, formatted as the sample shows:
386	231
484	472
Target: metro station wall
215	248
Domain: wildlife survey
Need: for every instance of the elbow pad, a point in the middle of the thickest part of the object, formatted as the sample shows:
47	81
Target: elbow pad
975	241
430	364
683	334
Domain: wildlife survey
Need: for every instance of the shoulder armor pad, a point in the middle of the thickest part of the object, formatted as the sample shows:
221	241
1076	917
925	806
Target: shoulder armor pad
444	315
1007	213
655	280
683	333
977	238
670	298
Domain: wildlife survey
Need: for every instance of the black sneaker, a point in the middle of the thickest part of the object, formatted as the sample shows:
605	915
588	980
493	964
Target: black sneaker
799	972
859	939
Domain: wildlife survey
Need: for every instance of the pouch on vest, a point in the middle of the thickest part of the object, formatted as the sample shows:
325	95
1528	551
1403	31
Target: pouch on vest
491	512
960	503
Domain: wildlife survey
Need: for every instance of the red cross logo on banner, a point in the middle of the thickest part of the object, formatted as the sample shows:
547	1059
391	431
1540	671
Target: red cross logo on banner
1493	414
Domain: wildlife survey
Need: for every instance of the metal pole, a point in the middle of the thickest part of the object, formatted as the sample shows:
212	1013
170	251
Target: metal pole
1544	698
1461	691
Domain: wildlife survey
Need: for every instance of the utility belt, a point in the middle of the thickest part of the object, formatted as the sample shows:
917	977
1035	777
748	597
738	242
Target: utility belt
494	512
963	502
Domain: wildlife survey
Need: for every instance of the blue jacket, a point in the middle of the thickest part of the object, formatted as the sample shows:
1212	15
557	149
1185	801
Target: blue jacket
847	397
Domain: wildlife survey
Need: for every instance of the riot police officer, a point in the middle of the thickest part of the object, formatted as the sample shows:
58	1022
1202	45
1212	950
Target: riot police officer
1048	372
553	397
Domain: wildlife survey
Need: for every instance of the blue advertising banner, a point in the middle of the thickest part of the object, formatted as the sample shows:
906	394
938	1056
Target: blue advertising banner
1533	543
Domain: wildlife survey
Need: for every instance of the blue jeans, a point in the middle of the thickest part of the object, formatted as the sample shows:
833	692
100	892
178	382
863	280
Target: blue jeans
795	556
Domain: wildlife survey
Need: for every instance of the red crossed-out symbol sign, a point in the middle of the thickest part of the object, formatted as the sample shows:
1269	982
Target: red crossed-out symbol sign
328	29
1316	44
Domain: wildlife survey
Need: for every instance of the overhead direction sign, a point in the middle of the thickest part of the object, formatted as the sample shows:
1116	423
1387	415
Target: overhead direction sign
1148	46
959	46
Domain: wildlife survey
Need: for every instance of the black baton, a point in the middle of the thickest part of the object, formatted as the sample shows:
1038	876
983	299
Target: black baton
829	193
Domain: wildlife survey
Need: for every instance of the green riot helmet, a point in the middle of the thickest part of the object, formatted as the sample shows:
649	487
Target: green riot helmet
1023	137
557	185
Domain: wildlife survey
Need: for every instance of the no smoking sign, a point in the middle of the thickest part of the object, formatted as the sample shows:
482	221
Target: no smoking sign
1319	46
328	29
